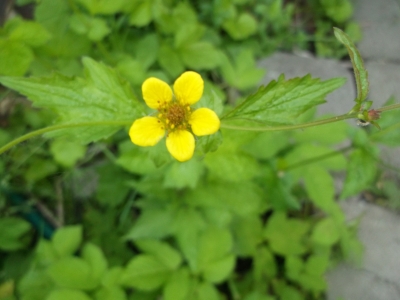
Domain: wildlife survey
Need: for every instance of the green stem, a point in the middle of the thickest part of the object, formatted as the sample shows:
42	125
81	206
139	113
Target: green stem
389	107
58	127
292	127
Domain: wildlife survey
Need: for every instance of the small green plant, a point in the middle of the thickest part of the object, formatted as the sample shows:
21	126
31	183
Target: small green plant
248	215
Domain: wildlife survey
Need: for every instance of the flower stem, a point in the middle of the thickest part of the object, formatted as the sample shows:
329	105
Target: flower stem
58	127
291	127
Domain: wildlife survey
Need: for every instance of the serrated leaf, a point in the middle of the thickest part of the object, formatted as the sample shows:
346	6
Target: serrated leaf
170	60
101	97
281	101
141	14
360	73
145	272
28	32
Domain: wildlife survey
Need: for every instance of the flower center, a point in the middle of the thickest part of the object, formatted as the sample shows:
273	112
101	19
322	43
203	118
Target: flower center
174	115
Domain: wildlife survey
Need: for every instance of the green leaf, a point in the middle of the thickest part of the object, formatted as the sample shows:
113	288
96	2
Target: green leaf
40	168
282	101
12	231
188	223
152	223
66	240
264	265
111	293
320	187
200	56
72	272
326	232
135	159
94	256
141	14
145	272
102	6
163	251
361	171
247	234
241	73
241	27
187	35
178	285
101	97
94	28
35	285
181	175
317	264
67	152
67	294
390	133
112	186
15	58
206	291
360	73
28	32
214	258
293	267
267	144
170	60
231	166
285	235
146	50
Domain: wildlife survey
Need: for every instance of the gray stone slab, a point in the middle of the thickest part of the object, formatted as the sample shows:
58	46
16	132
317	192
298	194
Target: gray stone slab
338	102
379	277
380	23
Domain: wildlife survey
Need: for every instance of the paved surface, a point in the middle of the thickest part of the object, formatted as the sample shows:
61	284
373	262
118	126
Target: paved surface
379	276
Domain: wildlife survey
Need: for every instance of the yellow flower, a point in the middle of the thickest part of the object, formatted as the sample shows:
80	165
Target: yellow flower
175	118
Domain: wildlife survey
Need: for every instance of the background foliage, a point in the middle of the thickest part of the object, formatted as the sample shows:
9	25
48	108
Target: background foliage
255	220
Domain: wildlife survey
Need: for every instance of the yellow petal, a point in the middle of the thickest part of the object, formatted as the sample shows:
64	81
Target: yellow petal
180	144
204	121
146	131
156	91
188	88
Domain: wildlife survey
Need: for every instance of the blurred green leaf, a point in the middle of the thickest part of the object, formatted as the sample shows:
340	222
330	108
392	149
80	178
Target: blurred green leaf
66	240
94	256
15	58
242	72
152	223
215	260
72	272
265	266
27	32
145	272
162	251
284	235
206	291
112	186
200	56
326	232
141	15
360	73
40	168
67	294
241	27
361	171
102	6
101	96
111	293
247	234
181	175
146	50
94	28
269	105
12	231
178	285
170	60
267	144
66	152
